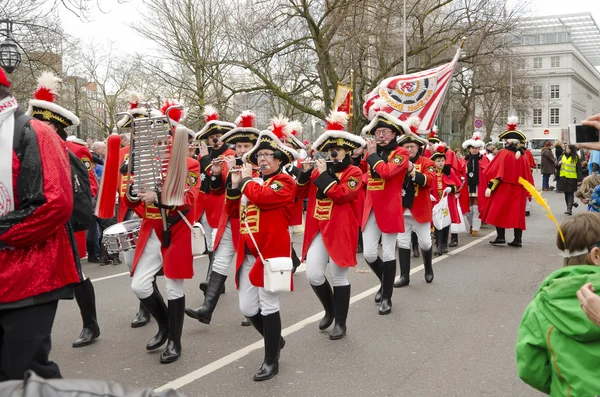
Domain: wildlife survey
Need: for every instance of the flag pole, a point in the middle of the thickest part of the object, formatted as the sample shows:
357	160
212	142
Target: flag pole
351	98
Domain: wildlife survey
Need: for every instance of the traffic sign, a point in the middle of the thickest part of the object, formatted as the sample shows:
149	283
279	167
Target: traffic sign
546	132
478	123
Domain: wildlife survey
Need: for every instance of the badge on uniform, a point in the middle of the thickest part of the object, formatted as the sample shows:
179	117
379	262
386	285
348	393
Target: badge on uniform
87	163
352	183
397	159
276	186
192	179
430	169
471	175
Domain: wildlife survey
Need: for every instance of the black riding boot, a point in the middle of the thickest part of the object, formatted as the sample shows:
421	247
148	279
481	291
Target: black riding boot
453	239
175	313
272	336
446	234
377	268
257	323
359	249
500	236
204	284
387	284
325	295
428	264
439	239
86	300
569	199
415	244
143	315
517	242
158	309
404	260
295	260
211	298
341	299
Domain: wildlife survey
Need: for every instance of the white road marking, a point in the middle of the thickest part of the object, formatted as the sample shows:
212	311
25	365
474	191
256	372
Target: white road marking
230	358
127	273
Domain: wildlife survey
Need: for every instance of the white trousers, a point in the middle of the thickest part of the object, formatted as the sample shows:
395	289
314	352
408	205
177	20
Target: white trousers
422	230
252	299
225	252
128	258
316	262
149	264
474	218
371	236
209	232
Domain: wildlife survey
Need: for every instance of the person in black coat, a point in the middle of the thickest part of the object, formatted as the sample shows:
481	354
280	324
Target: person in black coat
558	152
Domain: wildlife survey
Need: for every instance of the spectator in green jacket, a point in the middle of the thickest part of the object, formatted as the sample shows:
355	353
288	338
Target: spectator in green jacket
558	346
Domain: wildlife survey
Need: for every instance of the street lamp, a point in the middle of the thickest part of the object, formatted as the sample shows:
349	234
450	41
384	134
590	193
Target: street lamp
10	57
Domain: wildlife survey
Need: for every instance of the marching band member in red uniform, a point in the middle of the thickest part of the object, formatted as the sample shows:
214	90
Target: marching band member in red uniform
37	248
505	207
170	249
386	165
264	206
124	213
244	137
472	194
417	205
332	190
210	206
446	181
43	107
291	131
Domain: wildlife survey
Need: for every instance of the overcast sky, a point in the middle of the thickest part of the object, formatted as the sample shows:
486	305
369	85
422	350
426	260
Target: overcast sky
113	25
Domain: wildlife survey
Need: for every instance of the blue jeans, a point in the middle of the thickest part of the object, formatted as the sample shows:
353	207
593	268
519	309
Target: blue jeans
546	181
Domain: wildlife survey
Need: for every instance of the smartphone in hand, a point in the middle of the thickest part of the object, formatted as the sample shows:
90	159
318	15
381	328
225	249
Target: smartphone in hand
583	133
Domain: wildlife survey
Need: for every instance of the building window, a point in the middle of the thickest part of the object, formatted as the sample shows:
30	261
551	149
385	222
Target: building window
537	92
554	116
537	116
537	63
555	62
555	91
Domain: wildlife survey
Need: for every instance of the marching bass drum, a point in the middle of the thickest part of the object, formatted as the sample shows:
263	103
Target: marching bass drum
122	236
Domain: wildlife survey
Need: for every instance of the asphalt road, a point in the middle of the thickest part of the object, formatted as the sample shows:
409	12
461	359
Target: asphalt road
454	337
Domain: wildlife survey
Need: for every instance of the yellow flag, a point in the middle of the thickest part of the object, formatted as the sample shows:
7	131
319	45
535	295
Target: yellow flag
538	197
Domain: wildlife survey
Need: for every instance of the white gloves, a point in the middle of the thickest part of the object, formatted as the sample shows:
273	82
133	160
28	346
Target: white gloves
431	197
448	190
488	192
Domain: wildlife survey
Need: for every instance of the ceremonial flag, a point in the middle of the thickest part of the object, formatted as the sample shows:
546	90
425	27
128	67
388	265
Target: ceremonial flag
419	94
343	99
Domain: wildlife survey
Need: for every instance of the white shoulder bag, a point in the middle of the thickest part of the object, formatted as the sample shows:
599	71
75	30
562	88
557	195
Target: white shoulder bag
198	243
278	271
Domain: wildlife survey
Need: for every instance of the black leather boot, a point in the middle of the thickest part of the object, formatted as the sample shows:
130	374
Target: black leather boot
428	265
175	313
141	318
517	242
272	336
387	284
500	236
86	300
453	239
295	260
341	302
414	240
325	295
569	199
404	259
446	234
439	237
377	268
257	323
211	298
204	284
158	309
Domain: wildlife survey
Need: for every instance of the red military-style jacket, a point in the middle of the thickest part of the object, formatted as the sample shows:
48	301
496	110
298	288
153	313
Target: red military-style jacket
84	154
298	208
333	211
209	201
177	258
122	208
443	179
268	212
384	189
424	180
